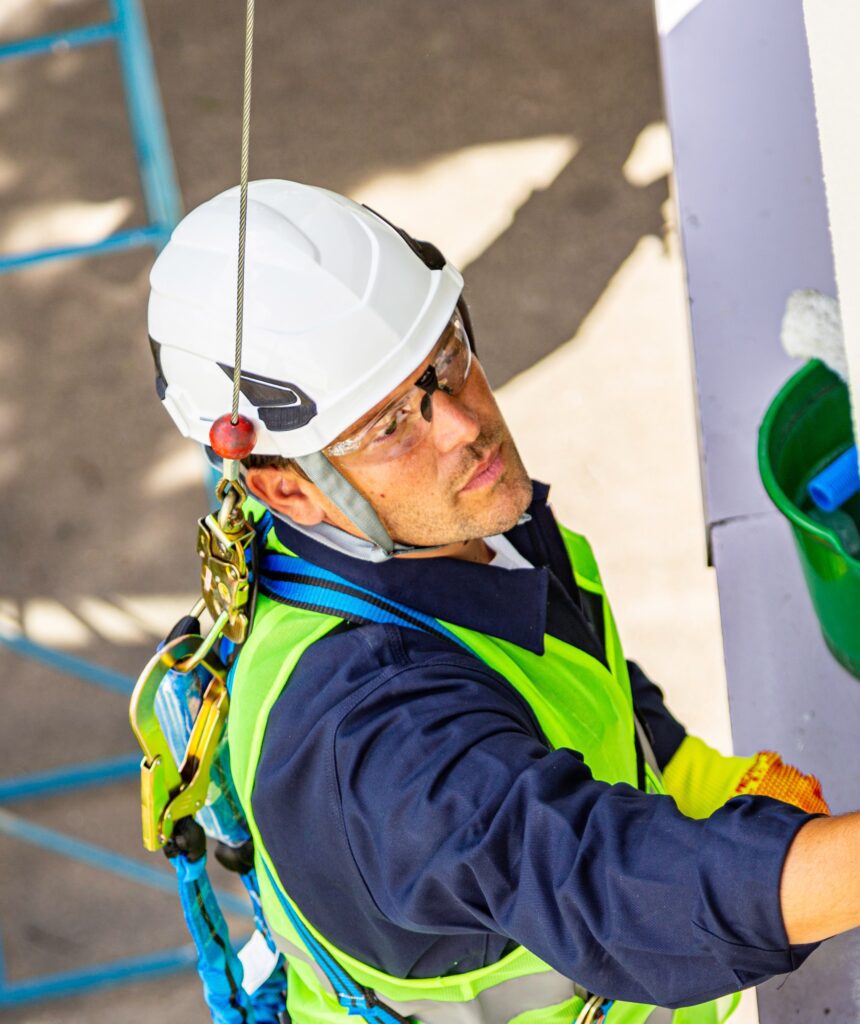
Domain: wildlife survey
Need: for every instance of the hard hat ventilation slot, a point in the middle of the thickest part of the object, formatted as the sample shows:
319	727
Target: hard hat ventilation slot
281	405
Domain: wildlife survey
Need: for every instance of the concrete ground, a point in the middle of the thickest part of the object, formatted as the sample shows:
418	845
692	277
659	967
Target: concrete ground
529	147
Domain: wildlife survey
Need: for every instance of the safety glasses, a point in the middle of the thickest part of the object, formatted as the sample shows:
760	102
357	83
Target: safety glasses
405	421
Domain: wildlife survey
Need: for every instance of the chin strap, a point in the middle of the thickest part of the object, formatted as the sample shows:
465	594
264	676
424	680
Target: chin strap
354	505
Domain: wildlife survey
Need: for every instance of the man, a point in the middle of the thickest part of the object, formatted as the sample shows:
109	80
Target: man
452	775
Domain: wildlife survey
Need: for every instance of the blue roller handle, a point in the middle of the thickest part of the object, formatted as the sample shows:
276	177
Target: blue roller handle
836	484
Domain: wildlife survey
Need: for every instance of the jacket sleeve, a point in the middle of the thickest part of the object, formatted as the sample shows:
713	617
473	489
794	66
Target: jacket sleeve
468	820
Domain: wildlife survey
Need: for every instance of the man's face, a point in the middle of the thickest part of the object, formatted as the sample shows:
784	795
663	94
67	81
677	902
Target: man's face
462	481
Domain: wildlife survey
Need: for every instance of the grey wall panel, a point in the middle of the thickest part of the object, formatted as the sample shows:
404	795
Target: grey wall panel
752	216
786	691
754	226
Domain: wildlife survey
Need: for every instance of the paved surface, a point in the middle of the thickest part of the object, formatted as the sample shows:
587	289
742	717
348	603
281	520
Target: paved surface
479	102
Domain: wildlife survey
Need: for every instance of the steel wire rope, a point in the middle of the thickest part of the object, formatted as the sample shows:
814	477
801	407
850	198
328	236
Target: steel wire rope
243	204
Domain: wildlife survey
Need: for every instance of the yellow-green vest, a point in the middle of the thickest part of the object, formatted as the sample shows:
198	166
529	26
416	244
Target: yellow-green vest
579	703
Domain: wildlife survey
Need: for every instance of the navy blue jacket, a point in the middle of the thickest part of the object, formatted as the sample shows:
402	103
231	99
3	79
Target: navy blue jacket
421	821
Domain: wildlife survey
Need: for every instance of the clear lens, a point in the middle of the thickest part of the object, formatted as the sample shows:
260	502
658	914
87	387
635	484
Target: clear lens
400	426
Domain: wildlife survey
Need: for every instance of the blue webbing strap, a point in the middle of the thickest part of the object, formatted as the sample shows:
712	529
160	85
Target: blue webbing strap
218	964
357	1001
268	999
252	887
291	580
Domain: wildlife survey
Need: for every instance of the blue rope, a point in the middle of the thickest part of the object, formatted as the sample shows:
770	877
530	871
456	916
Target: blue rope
220	970
218	965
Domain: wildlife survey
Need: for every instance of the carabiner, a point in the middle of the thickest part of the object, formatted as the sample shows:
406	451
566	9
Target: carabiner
170	791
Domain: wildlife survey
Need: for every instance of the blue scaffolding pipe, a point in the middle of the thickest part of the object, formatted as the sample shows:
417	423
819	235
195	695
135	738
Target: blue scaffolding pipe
116	972
146	116
134	238
75	776
15	827
127	29
59	42
148	131
69	664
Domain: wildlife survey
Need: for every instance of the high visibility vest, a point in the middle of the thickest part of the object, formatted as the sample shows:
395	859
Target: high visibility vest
580	704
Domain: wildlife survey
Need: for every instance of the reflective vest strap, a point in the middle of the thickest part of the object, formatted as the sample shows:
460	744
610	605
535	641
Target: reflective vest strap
354	998
500	1003
660	1015
582	560
646	748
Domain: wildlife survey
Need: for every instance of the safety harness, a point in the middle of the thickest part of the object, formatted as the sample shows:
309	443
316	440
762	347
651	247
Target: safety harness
178	713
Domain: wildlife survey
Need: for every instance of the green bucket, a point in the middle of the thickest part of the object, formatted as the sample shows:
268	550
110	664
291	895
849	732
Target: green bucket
807	426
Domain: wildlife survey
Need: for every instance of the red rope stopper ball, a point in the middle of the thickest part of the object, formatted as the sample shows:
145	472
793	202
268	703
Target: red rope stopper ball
232	440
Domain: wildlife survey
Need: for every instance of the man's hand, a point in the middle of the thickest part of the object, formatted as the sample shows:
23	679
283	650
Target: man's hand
820	885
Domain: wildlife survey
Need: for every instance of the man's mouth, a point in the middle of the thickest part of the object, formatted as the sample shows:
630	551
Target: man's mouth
487	472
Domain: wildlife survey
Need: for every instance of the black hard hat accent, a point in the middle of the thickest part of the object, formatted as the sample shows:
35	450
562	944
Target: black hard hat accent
466	317
160	382
280	404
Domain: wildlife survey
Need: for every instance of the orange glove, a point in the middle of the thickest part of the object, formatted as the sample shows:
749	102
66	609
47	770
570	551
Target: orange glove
770	776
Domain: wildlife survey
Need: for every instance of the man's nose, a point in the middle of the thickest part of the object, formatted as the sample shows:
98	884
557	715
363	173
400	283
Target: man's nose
454	424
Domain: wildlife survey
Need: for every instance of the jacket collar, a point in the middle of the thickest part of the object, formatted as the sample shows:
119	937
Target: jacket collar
510	604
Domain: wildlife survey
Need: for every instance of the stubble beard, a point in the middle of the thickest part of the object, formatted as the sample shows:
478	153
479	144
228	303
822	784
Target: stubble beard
457	518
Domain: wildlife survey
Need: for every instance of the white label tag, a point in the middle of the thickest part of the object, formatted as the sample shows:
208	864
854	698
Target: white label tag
258	962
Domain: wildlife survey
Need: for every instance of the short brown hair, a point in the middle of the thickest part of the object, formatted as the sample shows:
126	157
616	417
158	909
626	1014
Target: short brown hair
275	461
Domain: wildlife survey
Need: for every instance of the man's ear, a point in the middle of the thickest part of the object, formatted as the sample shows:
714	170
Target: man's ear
285	491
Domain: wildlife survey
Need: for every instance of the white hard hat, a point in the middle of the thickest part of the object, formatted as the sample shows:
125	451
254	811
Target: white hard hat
340	307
